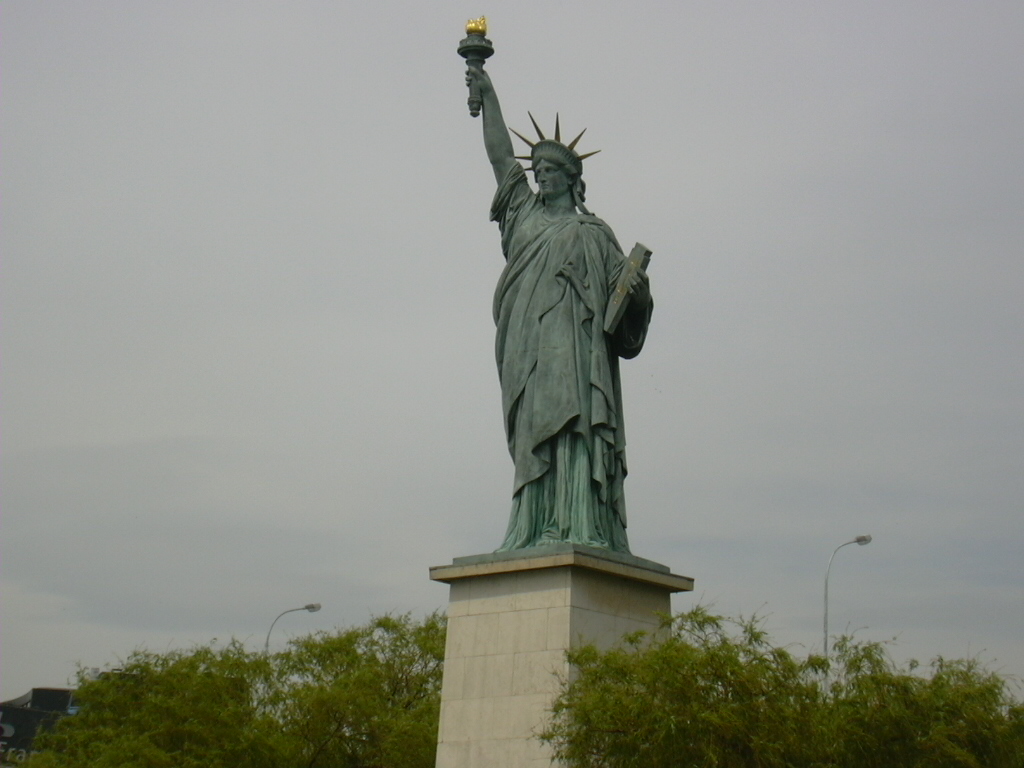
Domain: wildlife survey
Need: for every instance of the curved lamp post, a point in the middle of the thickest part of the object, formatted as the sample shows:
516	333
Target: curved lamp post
311	607
862	540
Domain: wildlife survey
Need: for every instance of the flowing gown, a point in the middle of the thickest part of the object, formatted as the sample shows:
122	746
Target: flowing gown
559	373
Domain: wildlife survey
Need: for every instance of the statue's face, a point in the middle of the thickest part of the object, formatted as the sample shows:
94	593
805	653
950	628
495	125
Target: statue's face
552	181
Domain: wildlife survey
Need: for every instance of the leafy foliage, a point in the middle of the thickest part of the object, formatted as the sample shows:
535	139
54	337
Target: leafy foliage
716	692
960	715
183	708
365	697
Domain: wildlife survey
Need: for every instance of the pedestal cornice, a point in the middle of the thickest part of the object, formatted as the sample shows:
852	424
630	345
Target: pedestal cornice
562	556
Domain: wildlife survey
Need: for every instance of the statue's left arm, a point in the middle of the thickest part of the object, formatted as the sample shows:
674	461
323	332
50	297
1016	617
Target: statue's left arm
629	336
640	289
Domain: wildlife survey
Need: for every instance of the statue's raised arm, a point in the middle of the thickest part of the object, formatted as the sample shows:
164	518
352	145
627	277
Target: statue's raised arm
476	49
496	138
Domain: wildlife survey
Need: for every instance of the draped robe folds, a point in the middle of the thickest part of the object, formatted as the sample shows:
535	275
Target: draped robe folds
561	396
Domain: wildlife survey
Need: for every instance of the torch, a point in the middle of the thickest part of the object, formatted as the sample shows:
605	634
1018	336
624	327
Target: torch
474	49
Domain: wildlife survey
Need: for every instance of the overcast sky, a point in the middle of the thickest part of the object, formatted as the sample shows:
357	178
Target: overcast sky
247	347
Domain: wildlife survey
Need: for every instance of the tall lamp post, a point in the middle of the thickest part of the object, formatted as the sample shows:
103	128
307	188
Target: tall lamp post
311	607
862	540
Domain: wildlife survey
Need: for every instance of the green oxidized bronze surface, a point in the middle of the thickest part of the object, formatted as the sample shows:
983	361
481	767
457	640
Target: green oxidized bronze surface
558	368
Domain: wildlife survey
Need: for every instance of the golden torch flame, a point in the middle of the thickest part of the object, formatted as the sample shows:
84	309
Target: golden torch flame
477	26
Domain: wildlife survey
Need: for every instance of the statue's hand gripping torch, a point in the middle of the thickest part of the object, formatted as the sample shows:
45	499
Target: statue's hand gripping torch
475	48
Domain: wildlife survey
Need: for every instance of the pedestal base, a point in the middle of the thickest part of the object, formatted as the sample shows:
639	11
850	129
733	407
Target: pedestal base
511	618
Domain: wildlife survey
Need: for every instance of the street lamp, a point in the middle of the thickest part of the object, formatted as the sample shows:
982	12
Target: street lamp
862	540
311	607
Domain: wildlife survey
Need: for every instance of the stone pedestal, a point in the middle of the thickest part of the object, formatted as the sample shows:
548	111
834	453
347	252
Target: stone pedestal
511	618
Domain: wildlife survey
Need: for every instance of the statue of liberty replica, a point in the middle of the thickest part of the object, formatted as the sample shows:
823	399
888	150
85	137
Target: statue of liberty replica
568	305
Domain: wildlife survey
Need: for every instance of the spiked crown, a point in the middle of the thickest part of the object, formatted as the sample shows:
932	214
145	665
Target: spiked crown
553	149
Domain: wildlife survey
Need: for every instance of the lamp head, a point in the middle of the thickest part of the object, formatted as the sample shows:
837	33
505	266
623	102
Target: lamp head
477	26
314	607
862	540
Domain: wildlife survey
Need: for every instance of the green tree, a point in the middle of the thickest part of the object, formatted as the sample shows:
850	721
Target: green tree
717	692
958	715
703	696
182	709
363	697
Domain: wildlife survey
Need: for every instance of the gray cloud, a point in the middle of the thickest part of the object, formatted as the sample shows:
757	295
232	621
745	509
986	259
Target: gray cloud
247	338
